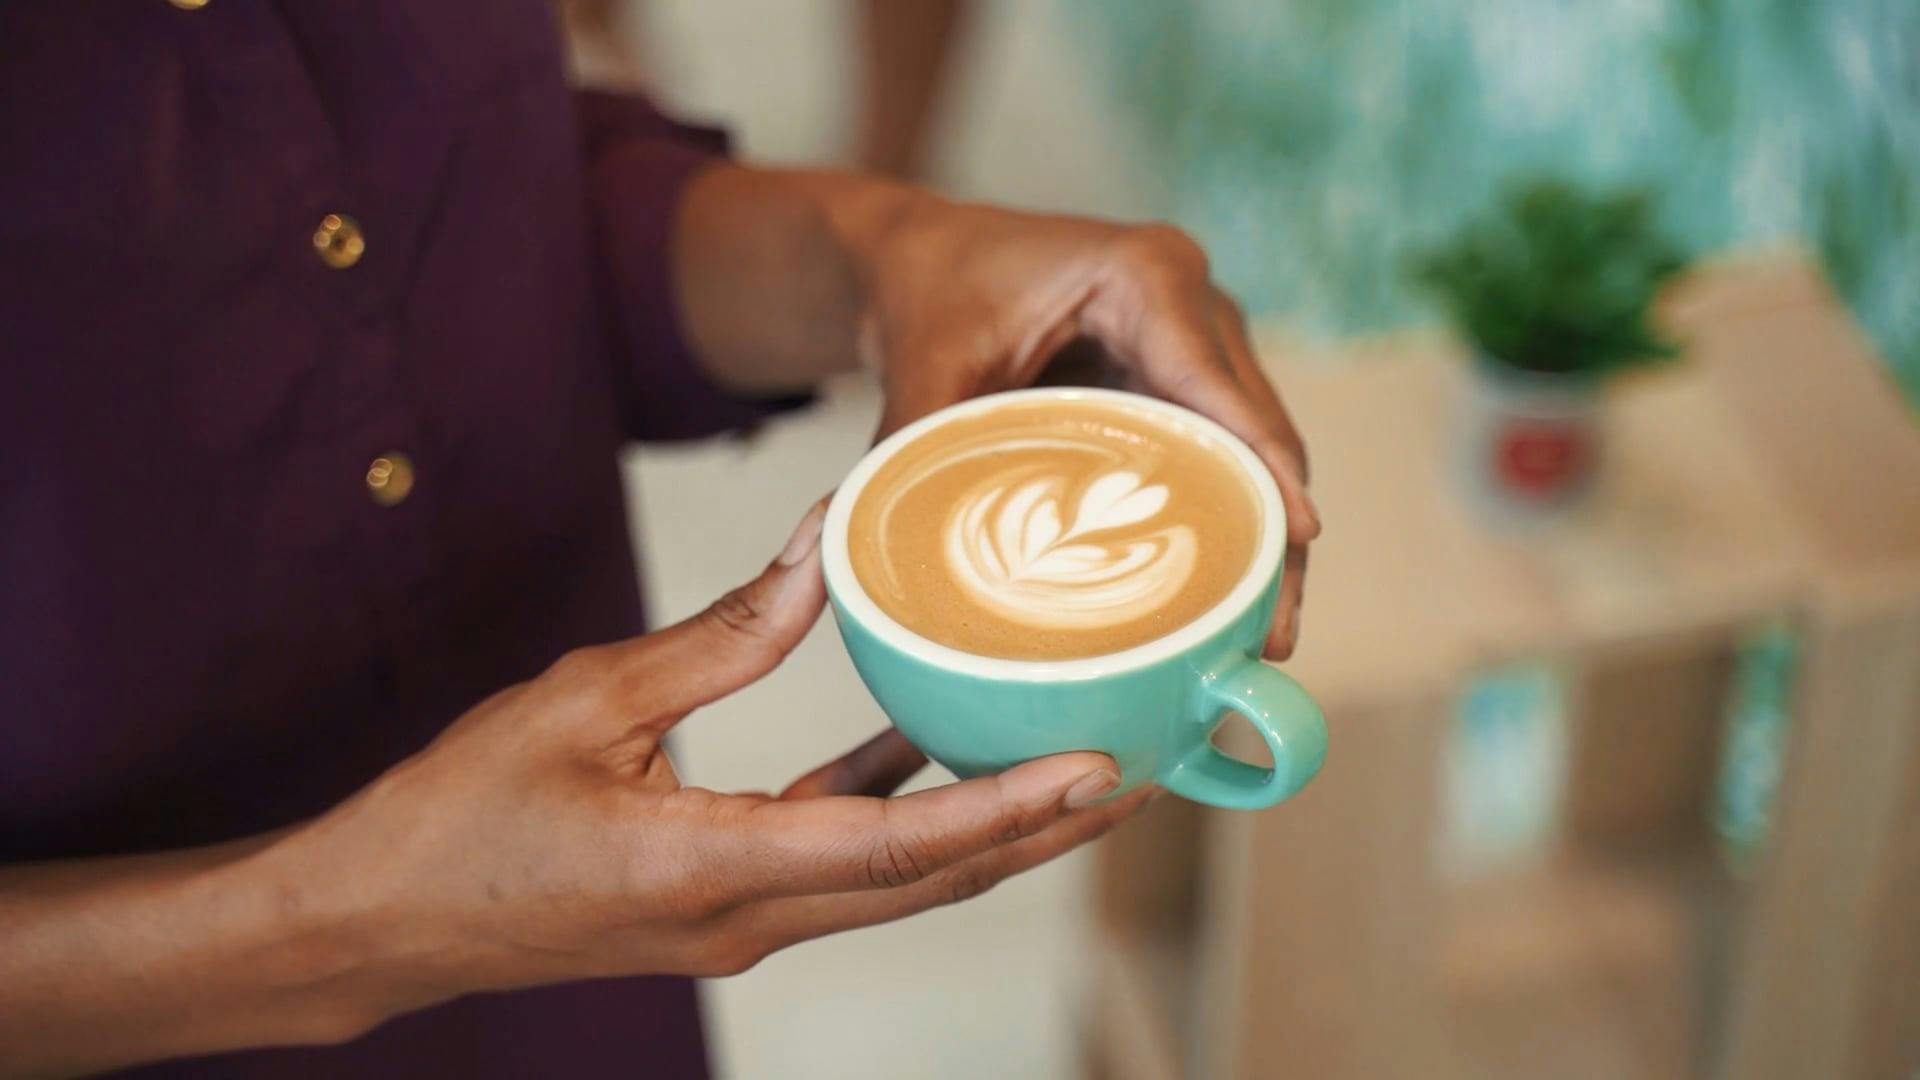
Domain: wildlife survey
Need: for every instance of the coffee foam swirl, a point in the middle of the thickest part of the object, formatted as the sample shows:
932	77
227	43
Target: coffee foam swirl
1007	549
1049	531
1069	544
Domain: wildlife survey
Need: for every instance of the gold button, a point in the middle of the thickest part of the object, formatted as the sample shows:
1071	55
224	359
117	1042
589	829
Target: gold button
339	240
390	478
188	5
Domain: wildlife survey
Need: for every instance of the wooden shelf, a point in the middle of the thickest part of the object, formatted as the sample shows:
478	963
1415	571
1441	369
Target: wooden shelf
1578	969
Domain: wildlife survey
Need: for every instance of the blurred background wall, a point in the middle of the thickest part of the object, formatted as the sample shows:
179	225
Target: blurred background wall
1023	115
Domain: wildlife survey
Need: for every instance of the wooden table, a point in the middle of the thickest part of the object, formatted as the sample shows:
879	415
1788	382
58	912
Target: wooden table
1776	472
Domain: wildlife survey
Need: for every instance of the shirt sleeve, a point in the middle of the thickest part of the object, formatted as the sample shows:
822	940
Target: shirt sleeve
638	165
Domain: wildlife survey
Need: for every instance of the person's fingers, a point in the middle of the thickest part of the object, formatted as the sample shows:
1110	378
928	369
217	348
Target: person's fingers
844	843
960	359
1303	517
928	374
1284	636
875	767
1184	361
738	639
1245	360
1196	353
776	924
1231	326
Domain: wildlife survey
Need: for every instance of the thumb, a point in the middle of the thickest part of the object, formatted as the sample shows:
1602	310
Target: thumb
743	635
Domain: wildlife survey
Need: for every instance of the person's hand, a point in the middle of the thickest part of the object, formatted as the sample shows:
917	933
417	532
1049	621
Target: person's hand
782	277
967	300
545	835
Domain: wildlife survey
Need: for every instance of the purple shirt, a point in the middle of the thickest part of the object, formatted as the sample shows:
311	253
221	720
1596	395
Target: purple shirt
209	627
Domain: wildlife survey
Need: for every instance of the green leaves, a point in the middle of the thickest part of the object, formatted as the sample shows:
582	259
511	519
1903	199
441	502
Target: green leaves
1557	280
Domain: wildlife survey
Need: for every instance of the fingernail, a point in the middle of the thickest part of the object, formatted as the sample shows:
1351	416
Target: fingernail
805	536
1090	787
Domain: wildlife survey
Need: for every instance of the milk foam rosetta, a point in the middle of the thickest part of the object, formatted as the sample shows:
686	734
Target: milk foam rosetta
1008	550
1052	529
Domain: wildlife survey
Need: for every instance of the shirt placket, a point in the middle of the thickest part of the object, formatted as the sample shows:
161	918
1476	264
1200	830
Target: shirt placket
382	459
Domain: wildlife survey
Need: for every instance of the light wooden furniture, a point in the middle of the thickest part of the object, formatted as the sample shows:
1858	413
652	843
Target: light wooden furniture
1777	472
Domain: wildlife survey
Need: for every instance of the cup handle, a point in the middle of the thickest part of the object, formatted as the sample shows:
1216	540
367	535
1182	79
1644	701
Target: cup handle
1283	714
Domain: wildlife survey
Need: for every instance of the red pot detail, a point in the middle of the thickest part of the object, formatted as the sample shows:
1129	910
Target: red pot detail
1540	459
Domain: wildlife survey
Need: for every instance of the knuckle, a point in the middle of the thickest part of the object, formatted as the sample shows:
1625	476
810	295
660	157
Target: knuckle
738	614
707	897
968	881
733	955
1017	822
895	862
588	664
695	905
1166	250
1010	827
1274	440
689	880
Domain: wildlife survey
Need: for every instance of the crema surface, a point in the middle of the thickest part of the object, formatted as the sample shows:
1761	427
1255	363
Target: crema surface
1053	530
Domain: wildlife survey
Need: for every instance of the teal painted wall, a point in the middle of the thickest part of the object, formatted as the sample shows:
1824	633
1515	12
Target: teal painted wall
1310	143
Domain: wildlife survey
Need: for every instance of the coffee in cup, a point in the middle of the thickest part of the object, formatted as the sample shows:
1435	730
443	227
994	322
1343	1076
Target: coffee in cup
1053	530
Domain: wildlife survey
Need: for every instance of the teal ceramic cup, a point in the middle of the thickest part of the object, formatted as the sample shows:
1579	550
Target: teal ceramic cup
1153	707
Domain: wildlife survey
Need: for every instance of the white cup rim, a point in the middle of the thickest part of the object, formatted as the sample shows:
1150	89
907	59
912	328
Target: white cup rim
848	593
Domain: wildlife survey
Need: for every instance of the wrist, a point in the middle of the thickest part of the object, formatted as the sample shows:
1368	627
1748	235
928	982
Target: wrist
872	217
875	222
337	957
775	271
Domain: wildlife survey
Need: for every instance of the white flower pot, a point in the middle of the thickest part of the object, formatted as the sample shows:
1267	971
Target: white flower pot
1528	444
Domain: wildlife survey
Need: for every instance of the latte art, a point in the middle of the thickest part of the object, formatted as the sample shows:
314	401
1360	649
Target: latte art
1006	547
1052	530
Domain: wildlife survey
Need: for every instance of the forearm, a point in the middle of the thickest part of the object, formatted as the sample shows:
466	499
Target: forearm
114	961
906	51
774	270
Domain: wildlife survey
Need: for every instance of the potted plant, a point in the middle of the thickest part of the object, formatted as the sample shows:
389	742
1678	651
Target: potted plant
1552	290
